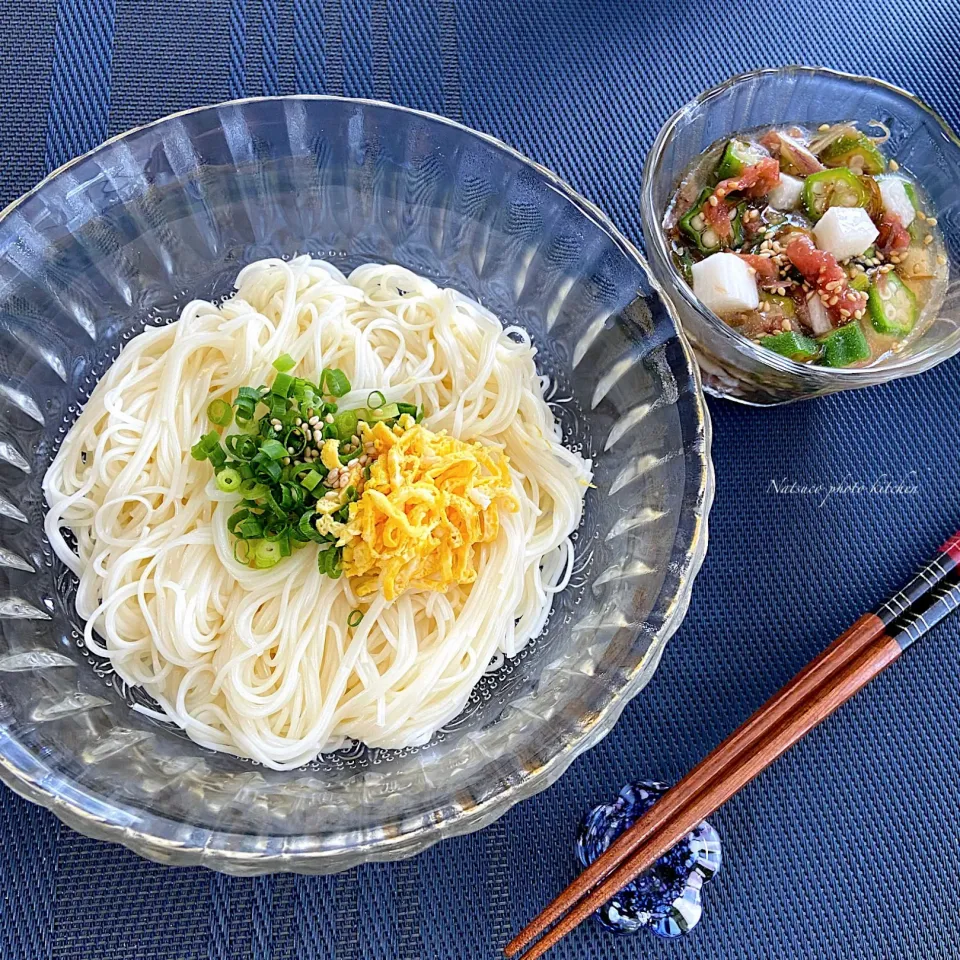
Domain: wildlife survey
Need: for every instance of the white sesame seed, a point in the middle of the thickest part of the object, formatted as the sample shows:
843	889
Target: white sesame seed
290	450
823	126
298	422
329	418
941	259
331	495
928	239
286	461
894	165
313	421
932	221
352	463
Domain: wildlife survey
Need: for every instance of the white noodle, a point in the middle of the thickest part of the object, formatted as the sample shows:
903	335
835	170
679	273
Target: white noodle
261	663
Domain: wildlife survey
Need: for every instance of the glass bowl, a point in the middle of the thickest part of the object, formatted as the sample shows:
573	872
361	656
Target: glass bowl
732	366
126	235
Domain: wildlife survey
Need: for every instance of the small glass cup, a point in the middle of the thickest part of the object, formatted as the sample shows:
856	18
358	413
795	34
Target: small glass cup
921	142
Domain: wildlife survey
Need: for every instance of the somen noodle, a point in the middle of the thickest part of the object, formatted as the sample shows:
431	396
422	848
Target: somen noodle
275	664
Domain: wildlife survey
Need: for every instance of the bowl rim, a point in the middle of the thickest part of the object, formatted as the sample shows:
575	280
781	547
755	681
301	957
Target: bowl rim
839	377
82	810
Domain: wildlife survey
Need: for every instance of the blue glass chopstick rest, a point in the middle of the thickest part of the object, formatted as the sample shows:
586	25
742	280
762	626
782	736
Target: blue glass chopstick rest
667	898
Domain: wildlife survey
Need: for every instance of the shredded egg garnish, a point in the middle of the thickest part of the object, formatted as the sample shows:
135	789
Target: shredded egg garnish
429	500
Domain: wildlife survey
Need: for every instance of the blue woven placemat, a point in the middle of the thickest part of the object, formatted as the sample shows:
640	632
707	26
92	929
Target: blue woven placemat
845	849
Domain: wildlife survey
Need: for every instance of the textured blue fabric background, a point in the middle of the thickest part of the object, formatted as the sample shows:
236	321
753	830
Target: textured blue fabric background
847	848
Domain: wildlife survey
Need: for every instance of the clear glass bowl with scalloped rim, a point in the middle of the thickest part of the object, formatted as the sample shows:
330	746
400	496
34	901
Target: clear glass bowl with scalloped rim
122	238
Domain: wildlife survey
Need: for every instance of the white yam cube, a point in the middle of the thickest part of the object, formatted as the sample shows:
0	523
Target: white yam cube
786	194
817	316
845	232
896	200
724	283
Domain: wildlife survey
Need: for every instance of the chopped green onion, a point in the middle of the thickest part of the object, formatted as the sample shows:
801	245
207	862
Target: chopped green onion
306	468
350	492
236	518
273	449
241	551
284	362
308	528
216	456
210	441
252	489
293	495
246	404
250	529
267	554
410	408
208	448
282	385
268	470
346	424
353	620
330	562
366	473
275	528
388	411
311	480
334	382
376	400
219	412
297	439
241	447
229	480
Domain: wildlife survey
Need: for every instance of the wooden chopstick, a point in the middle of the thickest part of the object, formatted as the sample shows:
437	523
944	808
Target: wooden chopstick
850	662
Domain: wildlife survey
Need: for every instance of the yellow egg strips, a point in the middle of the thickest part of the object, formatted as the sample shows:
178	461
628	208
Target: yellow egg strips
429	500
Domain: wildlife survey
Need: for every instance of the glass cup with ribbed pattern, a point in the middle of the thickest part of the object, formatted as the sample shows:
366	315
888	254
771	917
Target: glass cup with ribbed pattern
731	364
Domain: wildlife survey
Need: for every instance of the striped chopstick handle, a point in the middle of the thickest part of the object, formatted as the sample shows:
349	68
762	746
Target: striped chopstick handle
941	565
923	617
